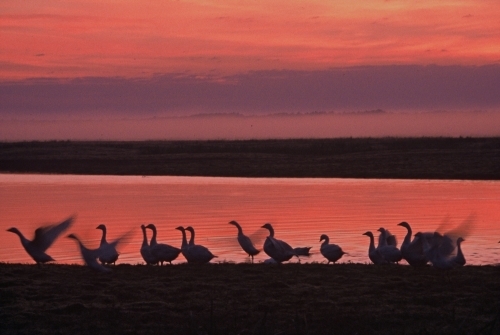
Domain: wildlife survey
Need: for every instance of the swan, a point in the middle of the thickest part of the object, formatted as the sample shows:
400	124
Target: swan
278	250
434	252
146	250
413	251
194	253
331	252
387	246
245	242
373	253
90	255
110	255
44	237
162	252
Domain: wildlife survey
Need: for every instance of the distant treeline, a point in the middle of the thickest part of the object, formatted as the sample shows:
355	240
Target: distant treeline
416	158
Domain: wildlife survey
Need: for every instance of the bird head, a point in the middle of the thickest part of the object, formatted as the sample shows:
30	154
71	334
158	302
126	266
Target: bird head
101	227
13	230
267	226
460	240
404	224
191	229
323	237
368	233
234	223
73	236
181	228
151	226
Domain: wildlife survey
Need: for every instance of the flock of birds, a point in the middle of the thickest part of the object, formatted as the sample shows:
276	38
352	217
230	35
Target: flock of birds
418	250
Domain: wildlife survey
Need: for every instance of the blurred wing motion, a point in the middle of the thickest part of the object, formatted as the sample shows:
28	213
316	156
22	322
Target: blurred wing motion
44	238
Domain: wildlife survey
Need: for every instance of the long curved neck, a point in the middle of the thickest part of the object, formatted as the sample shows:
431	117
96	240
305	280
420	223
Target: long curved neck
153	239
271	231
372	243
407	239
184	239
191	240
103	238
240	231
21	236
459	249
144	238
326	241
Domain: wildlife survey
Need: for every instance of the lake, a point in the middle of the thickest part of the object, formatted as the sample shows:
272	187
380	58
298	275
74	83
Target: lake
300	210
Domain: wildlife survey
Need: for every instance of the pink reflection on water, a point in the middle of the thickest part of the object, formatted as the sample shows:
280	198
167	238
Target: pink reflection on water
299	209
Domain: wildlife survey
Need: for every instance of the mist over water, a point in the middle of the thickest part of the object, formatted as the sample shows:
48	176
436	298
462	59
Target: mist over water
375	123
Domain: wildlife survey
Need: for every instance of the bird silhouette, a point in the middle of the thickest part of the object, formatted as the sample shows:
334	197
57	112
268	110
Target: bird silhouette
245	241
44	238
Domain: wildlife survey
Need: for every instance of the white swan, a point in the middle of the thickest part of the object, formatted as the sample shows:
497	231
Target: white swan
90	255
44	237
439	259
161	251
331	252
245	242
109	255
278	250
413	251
192	252
373	253
387	246
146	250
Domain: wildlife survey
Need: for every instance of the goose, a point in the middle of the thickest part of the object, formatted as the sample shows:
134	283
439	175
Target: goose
245	242
387	246
278	250
194	253
413	251
373	253
109	255
146	250
90	255
162	252
331	252
44	237
434	252
386	238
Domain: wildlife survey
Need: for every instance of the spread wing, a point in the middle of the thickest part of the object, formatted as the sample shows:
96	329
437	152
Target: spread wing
45	236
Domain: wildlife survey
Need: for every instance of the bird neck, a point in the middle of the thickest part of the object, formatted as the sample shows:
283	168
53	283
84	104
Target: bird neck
103	238
153	238
408	235
184	239
144	238
191	240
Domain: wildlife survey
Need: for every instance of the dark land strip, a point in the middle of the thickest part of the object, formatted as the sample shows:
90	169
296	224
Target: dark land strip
295	299
400	158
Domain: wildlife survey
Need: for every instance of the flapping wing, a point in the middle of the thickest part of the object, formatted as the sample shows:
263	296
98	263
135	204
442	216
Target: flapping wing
45	236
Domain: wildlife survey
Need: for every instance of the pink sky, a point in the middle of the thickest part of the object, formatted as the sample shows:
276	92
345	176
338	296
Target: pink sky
79	59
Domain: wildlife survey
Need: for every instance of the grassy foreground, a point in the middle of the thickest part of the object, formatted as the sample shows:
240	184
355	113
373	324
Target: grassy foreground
416	158
249	299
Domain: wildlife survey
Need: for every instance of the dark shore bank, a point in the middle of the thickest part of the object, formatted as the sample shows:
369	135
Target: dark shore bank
249	299
416	158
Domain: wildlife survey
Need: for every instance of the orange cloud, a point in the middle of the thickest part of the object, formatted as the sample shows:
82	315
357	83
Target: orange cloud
132	38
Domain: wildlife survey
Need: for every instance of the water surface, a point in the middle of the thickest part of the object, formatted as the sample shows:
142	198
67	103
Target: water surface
299	209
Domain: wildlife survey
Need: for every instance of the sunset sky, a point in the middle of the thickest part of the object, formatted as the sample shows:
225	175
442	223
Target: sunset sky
133	61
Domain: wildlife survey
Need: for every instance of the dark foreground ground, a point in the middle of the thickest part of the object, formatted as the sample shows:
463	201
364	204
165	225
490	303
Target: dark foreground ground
249	299
420	158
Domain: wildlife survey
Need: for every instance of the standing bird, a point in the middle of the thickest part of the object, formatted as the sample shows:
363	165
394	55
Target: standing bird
198	253
245	242
44	237
413	251
146	250
90	255
109	255
387	246
331	252
162	252
373	253
278	250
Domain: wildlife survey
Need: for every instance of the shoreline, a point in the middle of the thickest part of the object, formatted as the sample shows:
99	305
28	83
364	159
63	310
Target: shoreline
249	299
380	158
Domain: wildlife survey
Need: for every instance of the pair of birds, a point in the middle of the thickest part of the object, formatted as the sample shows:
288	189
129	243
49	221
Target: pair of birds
280	251
46	236
157	253
424	248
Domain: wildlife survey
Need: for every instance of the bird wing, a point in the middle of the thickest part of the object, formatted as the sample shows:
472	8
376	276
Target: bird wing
45	236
